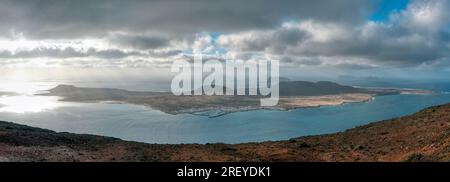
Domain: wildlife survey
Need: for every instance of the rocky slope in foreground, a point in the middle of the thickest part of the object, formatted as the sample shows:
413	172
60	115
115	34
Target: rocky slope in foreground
424	136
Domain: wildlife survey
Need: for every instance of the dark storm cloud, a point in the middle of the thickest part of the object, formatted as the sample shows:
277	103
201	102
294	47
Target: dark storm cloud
43	52
290	36
415	36
139	42
308	61
300	33
68	52
68	18
270	41
410	49
164	54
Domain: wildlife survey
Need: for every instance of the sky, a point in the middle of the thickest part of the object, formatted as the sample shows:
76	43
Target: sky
345	38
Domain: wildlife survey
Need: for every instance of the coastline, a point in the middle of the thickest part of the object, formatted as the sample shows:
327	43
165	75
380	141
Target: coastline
422	136
219	105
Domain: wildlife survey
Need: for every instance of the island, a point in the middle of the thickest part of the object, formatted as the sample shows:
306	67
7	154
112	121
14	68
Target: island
293	95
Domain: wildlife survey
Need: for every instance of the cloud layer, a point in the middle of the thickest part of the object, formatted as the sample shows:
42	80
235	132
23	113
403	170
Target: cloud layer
155	33
410	37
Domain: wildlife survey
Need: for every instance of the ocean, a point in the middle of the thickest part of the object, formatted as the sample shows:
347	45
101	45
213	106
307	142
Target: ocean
138	123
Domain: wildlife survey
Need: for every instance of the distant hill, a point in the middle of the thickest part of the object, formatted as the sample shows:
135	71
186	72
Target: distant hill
287	88
304	88
70	92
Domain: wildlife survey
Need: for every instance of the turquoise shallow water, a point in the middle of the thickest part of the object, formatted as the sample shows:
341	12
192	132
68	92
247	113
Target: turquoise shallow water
137	123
